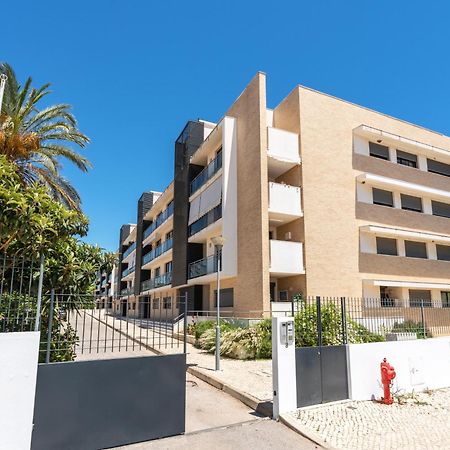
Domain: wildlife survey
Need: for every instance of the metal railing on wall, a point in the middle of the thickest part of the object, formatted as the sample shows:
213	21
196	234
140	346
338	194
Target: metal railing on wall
80	327
342	320
21	281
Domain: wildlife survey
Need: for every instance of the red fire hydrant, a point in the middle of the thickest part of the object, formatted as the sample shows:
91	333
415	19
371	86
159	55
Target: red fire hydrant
387	375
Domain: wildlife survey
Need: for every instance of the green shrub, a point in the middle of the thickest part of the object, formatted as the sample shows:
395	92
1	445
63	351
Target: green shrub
201	327
409	326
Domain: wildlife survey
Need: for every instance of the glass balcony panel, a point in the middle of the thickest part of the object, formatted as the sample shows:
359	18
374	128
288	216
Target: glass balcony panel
207	173
202	267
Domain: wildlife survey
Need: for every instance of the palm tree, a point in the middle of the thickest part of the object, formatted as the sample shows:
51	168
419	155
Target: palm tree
36	139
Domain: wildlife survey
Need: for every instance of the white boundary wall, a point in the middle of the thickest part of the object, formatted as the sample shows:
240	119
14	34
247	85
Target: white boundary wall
18	370
419	364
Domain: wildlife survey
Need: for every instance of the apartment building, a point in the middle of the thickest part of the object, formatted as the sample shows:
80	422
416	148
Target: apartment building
316	196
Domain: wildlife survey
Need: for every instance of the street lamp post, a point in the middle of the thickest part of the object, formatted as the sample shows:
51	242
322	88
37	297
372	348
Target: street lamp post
3	79
218	242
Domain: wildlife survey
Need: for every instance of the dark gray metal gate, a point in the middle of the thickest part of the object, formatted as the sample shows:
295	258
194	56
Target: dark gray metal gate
322	374
106	403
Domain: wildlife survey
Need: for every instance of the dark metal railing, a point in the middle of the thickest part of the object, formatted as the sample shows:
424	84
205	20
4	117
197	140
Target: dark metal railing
345	320
159	281
157	251
207	173
129	250
159	220
207	219
202	267
128	270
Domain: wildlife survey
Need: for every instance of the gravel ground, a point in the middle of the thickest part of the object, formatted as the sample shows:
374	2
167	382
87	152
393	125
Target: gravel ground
420	421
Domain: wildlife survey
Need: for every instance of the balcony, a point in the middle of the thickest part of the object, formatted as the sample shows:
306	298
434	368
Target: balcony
286	258
284	203
202	267
207	219
282	151
206	174
160	219
128	271
129	250
159	281
157	251
126	291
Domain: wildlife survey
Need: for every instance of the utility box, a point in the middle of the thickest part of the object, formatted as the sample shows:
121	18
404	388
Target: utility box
283	365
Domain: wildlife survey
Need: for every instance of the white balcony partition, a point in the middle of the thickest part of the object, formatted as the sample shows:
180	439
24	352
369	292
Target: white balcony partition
286	258
284	202
282	145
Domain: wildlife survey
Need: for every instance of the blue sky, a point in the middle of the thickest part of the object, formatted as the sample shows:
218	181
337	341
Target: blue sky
136	71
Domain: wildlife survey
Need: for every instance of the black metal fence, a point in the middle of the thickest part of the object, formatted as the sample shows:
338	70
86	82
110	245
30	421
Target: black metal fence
20	293
81	327
343	320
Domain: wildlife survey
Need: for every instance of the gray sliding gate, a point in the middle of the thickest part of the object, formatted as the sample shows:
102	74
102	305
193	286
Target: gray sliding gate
106	403
321	374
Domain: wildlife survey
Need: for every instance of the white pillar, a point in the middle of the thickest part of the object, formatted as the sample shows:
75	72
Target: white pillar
284	377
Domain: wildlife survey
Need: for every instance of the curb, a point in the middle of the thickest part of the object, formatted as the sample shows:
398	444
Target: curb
262	407
303	431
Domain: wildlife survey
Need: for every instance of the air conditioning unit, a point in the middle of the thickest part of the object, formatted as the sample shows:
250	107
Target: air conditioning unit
288	236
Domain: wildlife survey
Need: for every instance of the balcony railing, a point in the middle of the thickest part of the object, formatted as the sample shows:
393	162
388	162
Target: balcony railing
157	251
207	173
129	250
207	219
126	291
159	220
202	267
159	281
128	271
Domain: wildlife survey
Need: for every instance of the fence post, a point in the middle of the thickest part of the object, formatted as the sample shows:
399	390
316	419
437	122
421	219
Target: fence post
50	326
344	320
422	314
319	322
39	295
185	323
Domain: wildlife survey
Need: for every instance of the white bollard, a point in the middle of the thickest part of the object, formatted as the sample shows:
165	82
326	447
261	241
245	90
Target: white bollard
284	378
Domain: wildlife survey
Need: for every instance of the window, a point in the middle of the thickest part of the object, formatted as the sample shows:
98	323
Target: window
168	267
382	197
386	246
443	252
167	303
438	167
406	159
445	297
283	296
157	272
440	209
226	297
415	249
411	203
386	300
169	235
418	298
378	151
156	303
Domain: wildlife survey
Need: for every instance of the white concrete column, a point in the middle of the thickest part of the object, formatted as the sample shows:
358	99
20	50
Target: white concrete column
436	298
392	154
401	247
426	205
284	376
431	250
397	200
422	163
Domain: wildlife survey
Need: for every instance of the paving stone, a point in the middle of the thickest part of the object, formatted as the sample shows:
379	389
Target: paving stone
421	421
